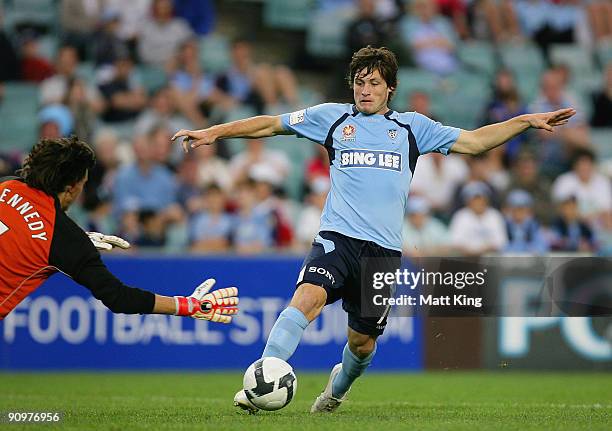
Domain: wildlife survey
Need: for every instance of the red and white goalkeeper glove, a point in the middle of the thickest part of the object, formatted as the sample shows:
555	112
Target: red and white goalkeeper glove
216	306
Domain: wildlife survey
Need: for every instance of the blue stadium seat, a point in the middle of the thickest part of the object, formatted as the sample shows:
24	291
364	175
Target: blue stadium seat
601	138
326	36
411	80
604	53
478	56
215	53
576	57
290	15
40	12
18	122
152	77
526	62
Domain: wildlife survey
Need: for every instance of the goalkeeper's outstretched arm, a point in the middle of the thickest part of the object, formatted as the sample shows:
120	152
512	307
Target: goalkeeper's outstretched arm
261	126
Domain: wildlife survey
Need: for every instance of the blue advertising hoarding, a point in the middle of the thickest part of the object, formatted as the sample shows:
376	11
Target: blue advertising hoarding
61	326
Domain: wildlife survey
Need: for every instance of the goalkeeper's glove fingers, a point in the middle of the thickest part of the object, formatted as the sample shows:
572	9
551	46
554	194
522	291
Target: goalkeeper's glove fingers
107	242
216	306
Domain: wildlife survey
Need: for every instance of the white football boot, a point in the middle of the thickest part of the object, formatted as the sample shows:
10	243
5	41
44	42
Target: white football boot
242	402
326	403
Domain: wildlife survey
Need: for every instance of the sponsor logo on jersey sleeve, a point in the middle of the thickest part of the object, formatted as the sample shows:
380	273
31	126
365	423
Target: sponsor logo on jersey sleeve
296	117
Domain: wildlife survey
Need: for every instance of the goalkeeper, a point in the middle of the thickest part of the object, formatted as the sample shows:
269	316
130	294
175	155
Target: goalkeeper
38	239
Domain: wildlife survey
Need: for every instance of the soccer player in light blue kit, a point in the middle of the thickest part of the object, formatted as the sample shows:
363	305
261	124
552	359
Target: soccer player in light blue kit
373	152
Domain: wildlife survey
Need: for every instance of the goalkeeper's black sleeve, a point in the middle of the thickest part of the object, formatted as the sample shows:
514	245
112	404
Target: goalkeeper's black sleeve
73	254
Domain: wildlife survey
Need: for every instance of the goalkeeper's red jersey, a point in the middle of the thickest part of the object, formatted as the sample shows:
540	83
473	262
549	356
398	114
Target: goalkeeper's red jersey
37	239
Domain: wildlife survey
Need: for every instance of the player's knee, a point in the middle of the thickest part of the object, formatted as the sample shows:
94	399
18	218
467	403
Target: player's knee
309	299
360	344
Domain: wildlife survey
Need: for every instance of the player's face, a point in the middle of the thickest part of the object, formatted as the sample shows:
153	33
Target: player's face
371	92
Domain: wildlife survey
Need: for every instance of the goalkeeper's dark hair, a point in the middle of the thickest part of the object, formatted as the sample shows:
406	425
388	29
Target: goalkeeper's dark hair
54	164
371	59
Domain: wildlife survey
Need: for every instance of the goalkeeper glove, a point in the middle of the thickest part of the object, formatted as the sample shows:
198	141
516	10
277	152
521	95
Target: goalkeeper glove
216	306
107	242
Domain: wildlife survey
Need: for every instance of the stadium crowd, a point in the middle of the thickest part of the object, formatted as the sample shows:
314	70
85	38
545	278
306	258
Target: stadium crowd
127	75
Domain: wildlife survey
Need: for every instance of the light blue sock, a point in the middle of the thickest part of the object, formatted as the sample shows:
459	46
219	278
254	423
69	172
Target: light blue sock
352	367
286	334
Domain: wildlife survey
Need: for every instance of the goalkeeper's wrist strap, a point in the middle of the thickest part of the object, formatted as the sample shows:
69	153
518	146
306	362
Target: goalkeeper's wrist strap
186	306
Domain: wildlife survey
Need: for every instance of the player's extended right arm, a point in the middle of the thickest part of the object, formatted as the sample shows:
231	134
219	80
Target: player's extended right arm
261	126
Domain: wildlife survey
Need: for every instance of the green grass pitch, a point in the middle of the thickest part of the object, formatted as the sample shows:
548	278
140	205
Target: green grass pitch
382	402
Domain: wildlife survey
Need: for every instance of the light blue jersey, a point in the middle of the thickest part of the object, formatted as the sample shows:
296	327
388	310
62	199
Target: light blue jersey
373	158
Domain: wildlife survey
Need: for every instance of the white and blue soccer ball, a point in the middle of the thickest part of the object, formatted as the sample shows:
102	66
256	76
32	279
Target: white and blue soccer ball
270	383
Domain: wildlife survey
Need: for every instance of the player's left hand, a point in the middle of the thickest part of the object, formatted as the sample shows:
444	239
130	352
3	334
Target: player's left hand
107	242
216	306
548	120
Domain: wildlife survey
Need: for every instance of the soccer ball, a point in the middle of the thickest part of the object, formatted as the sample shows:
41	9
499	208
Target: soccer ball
270	383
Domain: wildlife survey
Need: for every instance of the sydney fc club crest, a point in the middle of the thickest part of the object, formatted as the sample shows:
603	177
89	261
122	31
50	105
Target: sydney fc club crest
392	133
348	133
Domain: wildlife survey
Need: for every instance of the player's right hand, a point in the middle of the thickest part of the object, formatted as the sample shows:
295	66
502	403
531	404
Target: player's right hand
195	138
216	306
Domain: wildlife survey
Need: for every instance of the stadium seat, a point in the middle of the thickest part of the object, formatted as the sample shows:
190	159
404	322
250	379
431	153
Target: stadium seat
578	59
18	122
214	53
290	15
527	64
47	47
235	145
601	138
478	57
326	36
411	80
604	53
38	12
152	77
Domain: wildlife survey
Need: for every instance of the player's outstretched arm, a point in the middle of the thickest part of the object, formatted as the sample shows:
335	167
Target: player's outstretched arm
491	136
216	306
261	126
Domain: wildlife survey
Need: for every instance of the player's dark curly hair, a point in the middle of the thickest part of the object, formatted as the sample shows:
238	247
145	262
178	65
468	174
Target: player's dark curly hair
54	164
371	59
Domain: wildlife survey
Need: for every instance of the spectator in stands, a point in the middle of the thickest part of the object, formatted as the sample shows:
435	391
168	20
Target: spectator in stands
602	101
85	117
152	231
161	110
213	169
55	121
107	44
55	89
436	179
491	20
570	233
161	37
194	90
34	67
164	152
99	185
592	190
252	231
478	172
200	14
525	176
419	101
477	228
133	16
125	98
79	19
547	22
144	184
600	18
189	192
555	147
505	104
211	228
316	167
307	227
258	157
456	12
423	235
366	29
524	233
431	38
259	85
8	55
